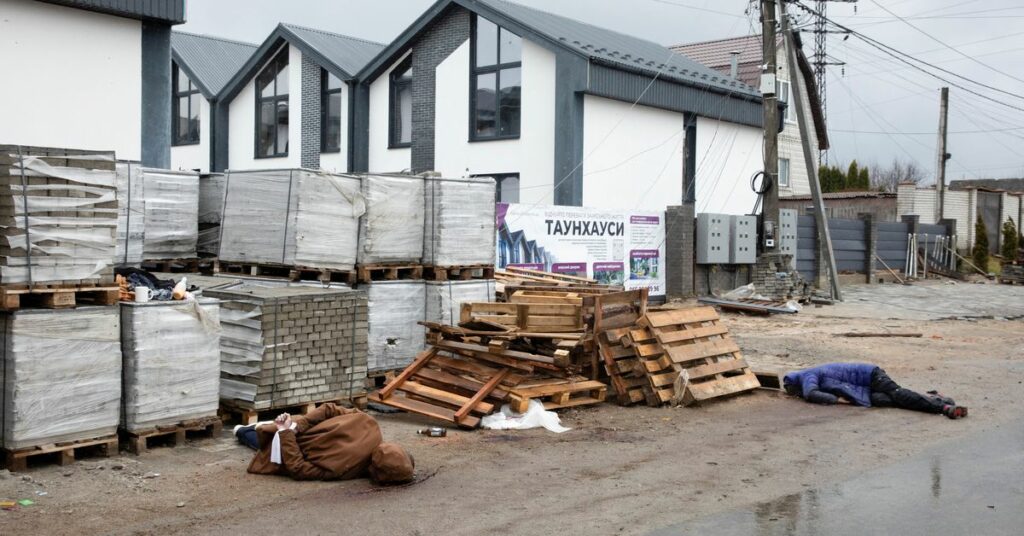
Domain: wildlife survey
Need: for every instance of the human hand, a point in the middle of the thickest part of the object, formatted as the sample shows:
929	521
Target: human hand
283	422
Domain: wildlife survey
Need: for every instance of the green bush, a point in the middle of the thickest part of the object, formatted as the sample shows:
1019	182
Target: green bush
1010	244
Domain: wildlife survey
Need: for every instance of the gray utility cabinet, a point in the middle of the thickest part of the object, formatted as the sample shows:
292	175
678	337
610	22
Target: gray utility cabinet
787	233
712	238
742	239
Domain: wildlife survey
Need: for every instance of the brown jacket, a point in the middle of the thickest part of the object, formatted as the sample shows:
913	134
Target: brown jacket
329	443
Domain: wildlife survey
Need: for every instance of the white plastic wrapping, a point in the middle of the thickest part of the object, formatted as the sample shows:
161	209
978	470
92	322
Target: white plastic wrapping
172	214
211	203
391	231
61	216
61	375
131	213
445	298
459	226
395	337
291	217
171	363
535	417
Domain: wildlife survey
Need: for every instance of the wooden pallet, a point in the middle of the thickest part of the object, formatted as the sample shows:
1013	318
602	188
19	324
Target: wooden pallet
696	341
290	273
557	393
62	296
663	378
458	273
192	265
17	459
529	317
233	413
621	365
138	441
545	277
367	273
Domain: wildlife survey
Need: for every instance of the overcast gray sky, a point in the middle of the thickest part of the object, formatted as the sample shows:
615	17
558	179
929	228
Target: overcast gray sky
879	108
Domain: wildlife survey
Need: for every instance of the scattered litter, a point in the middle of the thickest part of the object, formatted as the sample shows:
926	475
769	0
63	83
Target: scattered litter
535	417
26	502
181	505
151	475
433	431
42	493
8	505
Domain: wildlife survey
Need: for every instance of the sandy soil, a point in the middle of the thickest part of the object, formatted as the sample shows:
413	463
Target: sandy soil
619	471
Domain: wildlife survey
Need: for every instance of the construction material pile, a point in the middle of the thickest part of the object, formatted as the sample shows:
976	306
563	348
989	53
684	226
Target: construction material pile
171	362
459	222
158	214
513	279
211	203
59	211
394	337
131	213
391	230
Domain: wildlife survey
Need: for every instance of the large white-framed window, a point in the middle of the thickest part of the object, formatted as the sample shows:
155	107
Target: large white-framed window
496	80
186	103
272	107
783	173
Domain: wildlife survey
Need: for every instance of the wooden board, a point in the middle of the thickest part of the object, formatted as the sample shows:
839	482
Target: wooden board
17	460
138	441
558	394
14	297
388	272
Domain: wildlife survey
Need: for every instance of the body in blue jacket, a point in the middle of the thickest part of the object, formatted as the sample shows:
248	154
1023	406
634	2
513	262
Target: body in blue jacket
864	385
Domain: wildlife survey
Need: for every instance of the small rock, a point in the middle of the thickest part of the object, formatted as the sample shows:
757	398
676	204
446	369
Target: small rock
4	474
26	478
68	473
116	467
151	475
181	505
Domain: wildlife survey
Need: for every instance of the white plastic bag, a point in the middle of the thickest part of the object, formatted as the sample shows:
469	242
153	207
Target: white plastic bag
535	417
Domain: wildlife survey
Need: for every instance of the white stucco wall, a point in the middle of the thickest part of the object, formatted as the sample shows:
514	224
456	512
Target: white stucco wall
532	155
242	123
189	157
71	78
383	159
727	156
633	158
338	161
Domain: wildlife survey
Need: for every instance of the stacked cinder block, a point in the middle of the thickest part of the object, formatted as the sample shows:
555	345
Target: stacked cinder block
774	278
59	211
60	374
286	346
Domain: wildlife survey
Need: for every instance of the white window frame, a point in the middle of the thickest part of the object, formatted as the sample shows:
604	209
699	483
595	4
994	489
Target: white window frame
790	115
788	171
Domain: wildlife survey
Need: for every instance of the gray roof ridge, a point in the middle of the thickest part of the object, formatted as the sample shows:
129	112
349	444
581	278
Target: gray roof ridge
217	38
330	33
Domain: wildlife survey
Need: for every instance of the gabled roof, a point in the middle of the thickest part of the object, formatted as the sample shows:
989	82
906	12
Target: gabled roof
342	55
600	45
167	11
717	54
209	62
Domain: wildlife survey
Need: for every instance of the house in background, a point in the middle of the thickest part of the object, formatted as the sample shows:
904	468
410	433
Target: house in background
743	58
201	66
558	111
89	74
290	105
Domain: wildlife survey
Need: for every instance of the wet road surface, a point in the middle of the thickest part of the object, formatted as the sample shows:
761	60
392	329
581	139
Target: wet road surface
971	486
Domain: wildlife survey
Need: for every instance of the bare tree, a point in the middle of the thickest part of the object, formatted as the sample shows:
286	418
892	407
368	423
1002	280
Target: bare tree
899	171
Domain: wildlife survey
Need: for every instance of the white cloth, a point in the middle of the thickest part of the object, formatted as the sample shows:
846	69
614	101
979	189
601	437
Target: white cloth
535	417
275	447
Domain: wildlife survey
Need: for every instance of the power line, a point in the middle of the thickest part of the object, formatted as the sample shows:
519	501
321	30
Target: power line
924	133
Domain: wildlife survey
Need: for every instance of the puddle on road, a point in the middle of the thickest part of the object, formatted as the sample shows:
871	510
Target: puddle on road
969	487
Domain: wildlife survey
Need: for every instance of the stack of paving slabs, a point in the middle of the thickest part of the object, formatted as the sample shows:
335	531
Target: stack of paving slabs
211	203
459	222
285	346
131	213
391	230
158	215
59	215
674	356
469	371
394	337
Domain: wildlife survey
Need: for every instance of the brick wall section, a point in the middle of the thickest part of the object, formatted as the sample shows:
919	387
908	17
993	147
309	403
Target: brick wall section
679	244
774	279
438	42
310	120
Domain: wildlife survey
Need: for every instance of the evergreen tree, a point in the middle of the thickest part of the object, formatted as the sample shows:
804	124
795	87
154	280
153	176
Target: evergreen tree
1010	243
852	177
865	179
980	251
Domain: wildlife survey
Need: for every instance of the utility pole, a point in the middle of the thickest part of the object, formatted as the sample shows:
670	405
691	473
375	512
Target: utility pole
770	211
821	62
943	152
820	218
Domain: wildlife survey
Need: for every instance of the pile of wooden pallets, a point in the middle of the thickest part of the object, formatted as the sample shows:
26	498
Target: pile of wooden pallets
679	356
512	280
1012	274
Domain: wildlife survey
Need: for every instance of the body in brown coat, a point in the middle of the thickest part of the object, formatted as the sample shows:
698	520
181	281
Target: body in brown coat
328	443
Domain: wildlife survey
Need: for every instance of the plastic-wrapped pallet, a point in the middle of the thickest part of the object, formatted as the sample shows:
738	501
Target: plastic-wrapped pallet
61	375
292	218
131	213
288	345
60	212
171	365
211	203
459	222
391	230
445	298
172	214
395	337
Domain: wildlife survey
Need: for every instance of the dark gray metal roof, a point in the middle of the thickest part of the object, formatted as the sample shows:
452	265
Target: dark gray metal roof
170	11
209	62
341	55
616	48
1009	185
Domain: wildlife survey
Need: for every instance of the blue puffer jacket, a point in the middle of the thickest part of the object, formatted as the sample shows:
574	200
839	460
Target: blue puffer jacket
851	381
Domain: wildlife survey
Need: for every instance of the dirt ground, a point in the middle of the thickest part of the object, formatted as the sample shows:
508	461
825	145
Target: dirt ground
618	471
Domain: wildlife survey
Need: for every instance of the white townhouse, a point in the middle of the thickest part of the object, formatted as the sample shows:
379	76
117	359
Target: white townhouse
89	74
200	68
559	111
290	105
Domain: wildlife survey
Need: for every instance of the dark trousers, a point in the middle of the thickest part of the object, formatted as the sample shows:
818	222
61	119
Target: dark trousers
886	393
247	436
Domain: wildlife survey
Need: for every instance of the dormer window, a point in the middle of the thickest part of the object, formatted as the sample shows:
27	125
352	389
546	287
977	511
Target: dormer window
272	107
495	82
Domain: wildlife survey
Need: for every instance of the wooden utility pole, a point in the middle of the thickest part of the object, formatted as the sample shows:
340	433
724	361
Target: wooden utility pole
820	219
943	153
769	88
